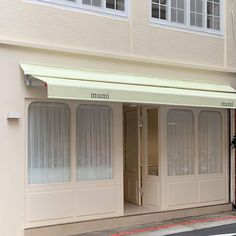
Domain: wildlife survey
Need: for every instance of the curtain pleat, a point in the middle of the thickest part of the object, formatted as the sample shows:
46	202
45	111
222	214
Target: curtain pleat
94	134
180	142
48	150
210	142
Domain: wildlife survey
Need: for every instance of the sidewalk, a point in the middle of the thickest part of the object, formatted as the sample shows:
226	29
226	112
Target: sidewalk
173	226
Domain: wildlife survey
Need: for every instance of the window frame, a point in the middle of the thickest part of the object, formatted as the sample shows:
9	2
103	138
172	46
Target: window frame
187	27
46	104
72	146
78	5
196	113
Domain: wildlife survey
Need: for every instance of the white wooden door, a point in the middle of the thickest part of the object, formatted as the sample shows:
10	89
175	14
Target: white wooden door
150	170
132	175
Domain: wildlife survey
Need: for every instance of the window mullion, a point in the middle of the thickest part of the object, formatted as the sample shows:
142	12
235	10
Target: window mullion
169	11
104	5
187	14
222	13
205	15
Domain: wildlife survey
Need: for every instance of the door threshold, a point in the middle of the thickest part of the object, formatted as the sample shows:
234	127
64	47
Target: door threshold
131	209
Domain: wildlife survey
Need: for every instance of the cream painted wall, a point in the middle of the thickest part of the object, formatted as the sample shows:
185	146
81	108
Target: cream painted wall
50	25
13	133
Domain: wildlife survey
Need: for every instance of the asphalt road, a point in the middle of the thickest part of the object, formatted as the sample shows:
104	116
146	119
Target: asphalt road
224	230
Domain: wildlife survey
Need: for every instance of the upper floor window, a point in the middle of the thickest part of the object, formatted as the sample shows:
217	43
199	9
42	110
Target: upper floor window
201	15
116	7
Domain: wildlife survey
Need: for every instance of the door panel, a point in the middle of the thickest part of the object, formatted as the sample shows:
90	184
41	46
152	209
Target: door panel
132	156
151	180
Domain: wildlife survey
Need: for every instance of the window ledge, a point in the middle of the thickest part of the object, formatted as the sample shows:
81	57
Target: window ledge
85	9
186	29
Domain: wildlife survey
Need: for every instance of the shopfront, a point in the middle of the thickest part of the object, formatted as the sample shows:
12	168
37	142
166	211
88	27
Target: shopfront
99	139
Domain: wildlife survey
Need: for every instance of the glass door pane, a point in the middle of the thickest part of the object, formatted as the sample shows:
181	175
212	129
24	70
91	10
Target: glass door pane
152	142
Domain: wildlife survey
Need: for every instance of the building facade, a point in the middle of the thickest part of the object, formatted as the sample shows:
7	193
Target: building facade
105	104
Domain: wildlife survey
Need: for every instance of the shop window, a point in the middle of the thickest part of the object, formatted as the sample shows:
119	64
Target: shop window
48	143
94	142
180	142
210	142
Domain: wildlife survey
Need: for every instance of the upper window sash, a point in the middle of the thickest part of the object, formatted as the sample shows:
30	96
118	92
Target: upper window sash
103	7
198	15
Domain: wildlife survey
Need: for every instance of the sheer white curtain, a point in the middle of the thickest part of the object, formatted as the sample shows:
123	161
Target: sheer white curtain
94	142
48	143
210	142
180	142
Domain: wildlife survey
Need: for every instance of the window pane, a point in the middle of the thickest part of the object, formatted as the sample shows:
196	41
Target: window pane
94	142
196	14
155	11
173	3
120	5
216	23
48	140
173	15
213	15
210	142
180	142
116	4
209	8
163	12
210	22
110	4
180	16
159	9
217	9
180	4
199	6
199	20
192	19
193	5
152	141
87	2
178	11
95	3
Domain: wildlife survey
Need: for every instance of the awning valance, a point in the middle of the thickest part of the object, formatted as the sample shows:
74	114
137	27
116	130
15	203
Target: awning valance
71	83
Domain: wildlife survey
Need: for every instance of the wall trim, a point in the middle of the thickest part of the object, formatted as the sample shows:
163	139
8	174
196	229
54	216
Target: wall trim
117	56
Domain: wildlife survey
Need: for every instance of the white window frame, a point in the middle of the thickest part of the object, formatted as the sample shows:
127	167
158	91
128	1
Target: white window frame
79	6
196	114
73	105
187	27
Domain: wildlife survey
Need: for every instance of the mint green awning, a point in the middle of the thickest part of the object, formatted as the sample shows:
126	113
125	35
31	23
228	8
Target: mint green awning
80	84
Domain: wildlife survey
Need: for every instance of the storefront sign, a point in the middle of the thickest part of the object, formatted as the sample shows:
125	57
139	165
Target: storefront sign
105	96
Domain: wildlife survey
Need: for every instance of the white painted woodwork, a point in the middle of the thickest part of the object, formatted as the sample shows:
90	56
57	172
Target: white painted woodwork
132	156
150	181
47	205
